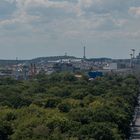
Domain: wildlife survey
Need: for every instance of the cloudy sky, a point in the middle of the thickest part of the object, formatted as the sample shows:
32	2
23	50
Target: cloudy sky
32	28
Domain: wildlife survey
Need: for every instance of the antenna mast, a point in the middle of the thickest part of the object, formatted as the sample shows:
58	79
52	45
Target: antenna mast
84	56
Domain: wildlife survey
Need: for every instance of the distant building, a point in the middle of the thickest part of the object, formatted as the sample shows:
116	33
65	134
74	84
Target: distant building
24	71
138	59
111	66
61	67
5	72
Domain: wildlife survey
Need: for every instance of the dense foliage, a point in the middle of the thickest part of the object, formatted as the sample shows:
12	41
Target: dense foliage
62	107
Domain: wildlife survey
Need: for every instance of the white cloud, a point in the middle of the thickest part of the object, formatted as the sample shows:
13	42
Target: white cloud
78	12
44	21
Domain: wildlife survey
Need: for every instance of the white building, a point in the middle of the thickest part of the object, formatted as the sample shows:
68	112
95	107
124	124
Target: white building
111	66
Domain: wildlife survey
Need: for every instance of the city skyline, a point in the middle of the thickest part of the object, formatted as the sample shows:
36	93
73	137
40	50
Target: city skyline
37	28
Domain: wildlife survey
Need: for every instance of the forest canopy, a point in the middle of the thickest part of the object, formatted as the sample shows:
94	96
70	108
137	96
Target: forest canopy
62	107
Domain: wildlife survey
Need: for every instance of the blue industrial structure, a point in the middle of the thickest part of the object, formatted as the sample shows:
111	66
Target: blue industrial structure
95	74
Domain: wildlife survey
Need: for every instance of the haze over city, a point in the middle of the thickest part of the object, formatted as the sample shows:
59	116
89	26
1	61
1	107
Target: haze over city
33	28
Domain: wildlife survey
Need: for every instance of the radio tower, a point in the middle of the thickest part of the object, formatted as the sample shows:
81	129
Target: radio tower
84	57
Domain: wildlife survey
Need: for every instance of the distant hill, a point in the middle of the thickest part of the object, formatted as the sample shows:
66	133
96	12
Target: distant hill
99	59
35	60
51	58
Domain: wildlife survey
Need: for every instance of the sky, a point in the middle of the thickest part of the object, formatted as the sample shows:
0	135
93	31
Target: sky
35	28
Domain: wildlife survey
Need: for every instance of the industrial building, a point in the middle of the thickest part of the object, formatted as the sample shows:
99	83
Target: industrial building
110	66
